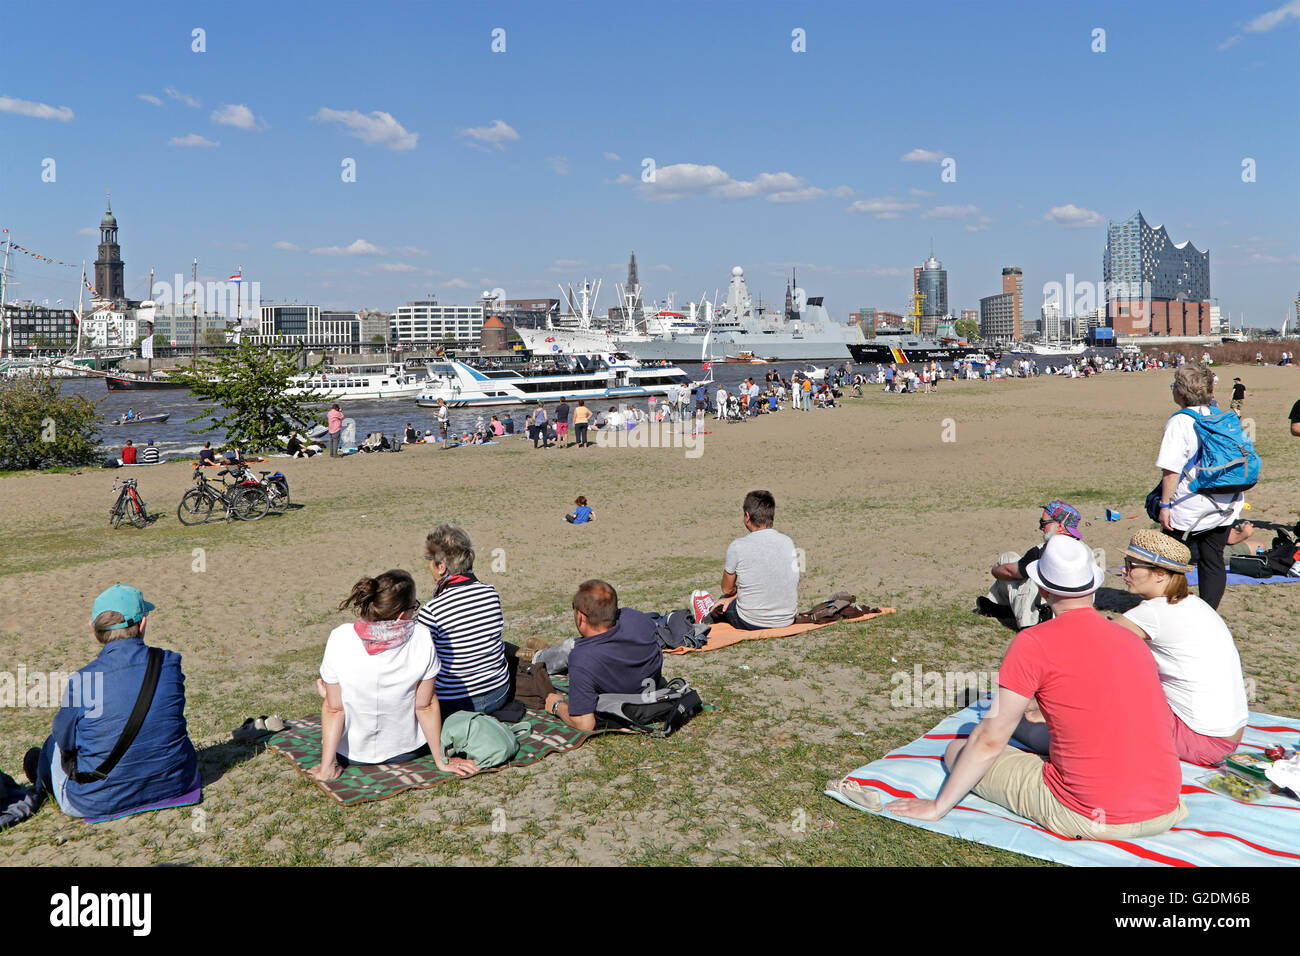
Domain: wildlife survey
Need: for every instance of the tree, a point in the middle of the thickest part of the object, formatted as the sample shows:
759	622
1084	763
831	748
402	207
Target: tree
159	340
250	387
40	427
213	337
967	329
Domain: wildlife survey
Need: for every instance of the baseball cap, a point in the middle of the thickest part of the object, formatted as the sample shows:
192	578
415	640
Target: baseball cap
1066	516
125	600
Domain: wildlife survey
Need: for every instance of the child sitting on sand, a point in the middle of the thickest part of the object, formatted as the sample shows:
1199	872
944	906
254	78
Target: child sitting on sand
581	514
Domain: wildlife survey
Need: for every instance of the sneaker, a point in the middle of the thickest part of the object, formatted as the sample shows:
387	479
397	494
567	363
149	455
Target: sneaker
701	603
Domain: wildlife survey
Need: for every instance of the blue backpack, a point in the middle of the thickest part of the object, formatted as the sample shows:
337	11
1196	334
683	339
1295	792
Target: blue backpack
1227	461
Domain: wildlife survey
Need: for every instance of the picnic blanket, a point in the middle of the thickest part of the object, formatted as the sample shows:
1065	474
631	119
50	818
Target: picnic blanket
1218	831
724	635
1247	579
301	742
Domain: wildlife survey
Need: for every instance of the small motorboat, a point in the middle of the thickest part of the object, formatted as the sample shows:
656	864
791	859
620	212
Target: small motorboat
141	420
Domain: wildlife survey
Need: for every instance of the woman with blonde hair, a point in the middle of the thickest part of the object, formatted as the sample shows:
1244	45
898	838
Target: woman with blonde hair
377	681
465	620
1196	657
1200	518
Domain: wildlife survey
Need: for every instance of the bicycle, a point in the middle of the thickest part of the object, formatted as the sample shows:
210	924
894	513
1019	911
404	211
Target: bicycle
128	505
276	486
243	501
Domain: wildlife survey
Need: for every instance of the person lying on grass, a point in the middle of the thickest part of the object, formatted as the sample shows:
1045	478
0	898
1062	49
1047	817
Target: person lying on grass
377	681
616	653
1104	766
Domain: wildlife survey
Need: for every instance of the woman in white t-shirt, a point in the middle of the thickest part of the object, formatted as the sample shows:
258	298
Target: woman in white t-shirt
377	681
1196	657
1195	517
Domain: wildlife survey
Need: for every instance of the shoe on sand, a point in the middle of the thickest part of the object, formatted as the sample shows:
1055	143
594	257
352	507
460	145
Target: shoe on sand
855	793
701	603
30	761
992	608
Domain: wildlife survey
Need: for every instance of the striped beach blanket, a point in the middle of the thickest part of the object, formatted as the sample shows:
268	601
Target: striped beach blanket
724	635
1218	831
1192	579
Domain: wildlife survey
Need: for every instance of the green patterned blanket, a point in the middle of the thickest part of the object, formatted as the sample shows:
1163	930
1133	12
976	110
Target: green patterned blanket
301	744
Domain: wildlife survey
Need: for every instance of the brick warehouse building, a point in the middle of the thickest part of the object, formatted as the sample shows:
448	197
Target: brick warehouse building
1154	285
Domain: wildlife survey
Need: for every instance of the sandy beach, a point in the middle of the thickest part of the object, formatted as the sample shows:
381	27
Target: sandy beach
904	500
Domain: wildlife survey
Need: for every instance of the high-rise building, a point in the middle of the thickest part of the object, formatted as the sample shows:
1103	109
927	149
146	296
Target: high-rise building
1154	286
1050	326
427	322
1013	284
998	319
109	268
932	282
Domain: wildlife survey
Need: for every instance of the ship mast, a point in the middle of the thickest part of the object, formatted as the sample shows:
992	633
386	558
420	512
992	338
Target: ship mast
6	326
194	342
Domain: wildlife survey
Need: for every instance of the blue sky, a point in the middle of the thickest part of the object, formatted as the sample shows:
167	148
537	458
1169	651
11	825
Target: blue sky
523	168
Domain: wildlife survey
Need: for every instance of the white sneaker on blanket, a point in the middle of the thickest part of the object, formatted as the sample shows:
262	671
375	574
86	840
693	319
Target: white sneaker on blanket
701	603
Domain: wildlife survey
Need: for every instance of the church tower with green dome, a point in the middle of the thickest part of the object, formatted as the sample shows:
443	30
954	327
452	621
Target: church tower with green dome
109	267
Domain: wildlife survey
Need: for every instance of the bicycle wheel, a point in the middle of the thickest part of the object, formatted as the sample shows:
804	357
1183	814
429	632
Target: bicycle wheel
115	515
249	504
279	496
195	507
135	509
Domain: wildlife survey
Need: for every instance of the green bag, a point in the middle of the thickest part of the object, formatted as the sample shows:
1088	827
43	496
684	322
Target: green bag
482	738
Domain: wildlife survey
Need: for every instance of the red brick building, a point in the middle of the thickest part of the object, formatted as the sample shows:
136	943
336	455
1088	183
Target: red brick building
1160	317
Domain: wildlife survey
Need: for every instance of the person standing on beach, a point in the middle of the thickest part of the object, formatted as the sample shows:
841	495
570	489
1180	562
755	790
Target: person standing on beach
541	424
334	417
562	424
581	419
1238	395
443	418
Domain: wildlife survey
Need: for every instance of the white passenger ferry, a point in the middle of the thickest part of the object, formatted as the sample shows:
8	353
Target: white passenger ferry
360	382
591	377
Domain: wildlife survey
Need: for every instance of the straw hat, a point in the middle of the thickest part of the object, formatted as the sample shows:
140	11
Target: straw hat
1066	568
1153	547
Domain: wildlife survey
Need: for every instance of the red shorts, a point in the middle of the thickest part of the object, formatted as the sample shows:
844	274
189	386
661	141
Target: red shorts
561	429
1197	748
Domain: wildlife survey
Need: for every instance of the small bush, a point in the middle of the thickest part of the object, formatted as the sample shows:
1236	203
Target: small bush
42	428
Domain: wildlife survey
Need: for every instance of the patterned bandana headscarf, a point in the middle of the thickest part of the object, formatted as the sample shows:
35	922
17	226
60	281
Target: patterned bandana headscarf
379	636
1065	516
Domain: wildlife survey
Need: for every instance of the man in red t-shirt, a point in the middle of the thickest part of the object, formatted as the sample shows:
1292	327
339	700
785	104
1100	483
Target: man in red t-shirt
128	453
1107	769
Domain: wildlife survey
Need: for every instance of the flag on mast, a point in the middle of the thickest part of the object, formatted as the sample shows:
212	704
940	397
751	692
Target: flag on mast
238	276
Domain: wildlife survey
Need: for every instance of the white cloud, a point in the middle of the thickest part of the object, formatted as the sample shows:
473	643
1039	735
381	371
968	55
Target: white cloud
558	164
456	284
951	212
35	110
495	135
411	251
398	267
679	180
235	114
185	98
922	156
884	207
87	231
149	98
842	192
612	157
358	248
662	268
191	139
1073	217
1265	258
919	192
285	246
375	129
566	265
1266	22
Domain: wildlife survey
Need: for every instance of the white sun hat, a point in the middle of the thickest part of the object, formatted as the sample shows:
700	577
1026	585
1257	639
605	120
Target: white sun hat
1066	568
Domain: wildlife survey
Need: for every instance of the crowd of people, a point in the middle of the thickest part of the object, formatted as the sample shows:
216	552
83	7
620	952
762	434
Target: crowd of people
388	678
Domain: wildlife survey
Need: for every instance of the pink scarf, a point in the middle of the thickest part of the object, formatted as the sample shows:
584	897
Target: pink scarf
379	636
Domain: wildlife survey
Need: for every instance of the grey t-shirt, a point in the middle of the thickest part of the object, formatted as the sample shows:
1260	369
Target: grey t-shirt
767	577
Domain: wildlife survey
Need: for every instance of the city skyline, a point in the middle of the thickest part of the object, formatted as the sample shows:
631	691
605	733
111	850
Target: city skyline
477	169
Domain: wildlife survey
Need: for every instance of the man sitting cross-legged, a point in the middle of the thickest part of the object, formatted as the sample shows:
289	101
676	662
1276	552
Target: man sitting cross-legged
616	652
760	580
1013	595
1106	768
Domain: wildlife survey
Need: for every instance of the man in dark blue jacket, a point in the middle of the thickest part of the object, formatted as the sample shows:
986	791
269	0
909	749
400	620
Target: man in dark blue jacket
160	765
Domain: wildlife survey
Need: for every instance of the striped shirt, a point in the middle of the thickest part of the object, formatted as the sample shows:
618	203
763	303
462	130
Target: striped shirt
466	623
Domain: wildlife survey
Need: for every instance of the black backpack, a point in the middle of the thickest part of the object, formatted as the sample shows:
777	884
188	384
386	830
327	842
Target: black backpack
670	708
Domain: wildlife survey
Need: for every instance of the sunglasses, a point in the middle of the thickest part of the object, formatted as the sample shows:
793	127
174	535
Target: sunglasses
1130	564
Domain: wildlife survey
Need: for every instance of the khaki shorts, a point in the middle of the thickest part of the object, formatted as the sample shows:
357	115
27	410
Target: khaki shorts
1015	781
